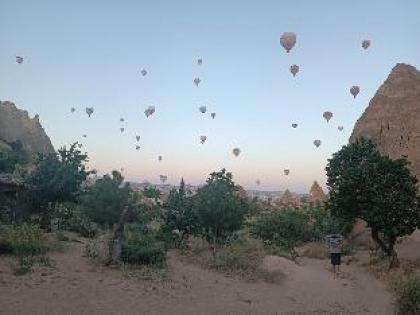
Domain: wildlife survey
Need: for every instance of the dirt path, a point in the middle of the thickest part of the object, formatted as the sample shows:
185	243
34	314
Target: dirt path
75	286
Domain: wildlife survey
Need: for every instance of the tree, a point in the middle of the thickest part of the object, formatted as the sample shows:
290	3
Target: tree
286	228
105	200
364	184
57	178
16	156
220	211
179	213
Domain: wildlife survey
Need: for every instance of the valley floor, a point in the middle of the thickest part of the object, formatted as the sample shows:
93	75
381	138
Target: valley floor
76	286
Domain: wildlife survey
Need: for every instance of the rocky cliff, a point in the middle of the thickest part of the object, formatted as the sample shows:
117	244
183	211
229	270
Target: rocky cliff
316	194
392	119
15	124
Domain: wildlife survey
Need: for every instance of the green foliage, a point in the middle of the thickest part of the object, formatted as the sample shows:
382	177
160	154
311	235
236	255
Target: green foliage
324	223
151	192
104	201
219	210
141	246
70	217
179	216
408	296
287	228
57	178
363	184
26	243
9	159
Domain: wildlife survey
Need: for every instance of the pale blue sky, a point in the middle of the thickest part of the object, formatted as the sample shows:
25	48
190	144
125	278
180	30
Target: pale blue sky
90	53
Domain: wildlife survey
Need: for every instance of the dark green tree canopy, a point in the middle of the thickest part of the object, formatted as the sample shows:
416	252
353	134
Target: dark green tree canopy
219	209
364	184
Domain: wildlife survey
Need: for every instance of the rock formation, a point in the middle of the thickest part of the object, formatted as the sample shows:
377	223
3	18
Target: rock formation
392	119
316	194
289	199
16	125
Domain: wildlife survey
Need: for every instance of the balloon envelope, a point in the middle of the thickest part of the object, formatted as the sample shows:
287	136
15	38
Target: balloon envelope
122	129
203	139
288	40
138	138
213	115
317	143
340	128
19	59
197	81
354	90
286	171
89	111
294	69
294	125
202	109
327	116
72	109
366	44
143	72
199	61
236	151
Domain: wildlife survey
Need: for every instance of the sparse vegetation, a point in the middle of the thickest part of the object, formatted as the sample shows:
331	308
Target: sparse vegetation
408	295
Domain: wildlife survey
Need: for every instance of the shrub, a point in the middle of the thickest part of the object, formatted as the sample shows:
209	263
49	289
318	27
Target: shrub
408	296
287	228
70	218
243	255
141	246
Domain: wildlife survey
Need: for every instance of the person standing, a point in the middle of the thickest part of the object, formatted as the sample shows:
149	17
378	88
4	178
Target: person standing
335	245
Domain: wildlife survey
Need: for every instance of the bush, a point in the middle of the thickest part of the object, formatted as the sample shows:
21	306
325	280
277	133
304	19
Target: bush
287	228
74	220
408	296
141	246
243	255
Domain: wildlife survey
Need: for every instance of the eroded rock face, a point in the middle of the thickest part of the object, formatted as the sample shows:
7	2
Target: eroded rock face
316	194
15	124
392	119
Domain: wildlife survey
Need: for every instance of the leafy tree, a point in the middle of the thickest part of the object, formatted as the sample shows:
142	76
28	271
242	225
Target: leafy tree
363	184
57	178
151	192
16	156
179	213
286	228
104	201
220	211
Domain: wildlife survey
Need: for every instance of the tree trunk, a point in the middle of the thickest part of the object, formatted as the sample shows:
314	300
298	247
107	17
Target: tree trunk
387	249
115	244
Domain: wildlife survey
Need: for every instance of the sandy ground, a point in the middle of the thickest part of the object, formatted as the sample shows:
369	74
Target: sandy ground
76	286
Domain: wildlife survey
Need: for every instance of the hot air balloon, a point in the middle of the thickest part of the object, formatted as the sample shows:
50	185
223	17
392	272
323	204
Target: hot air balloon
203	139
197	81
89	111
354	90
286	171
138	138
294	69
122	119
294	125
160	158
84	136
72	109
143	72
236	152
213	115
317	143
202	109
340	128
122	129
79	145
19	59
149	111
258	182
199	61
137	147
288	40
163	178
327	116
366	44
122	169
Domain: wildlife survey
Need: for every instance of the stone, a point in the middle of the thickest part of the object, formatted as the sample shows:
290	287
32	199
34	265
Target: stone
392	119
316	194
16	125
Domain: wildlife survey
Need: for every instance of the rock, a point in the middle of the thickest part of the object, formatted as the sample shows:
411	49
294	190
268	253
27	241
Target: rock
392	118
289	199
316	194
15	124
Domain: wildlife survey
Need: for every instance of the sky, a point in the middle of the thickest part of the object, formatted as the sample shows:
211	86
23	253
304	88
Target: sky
90	53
